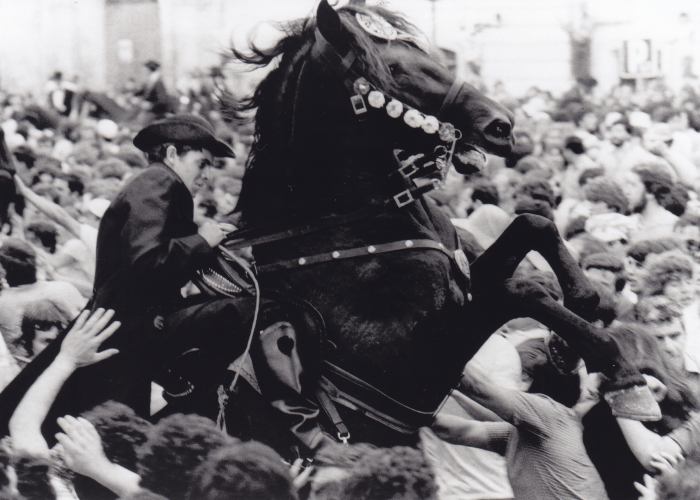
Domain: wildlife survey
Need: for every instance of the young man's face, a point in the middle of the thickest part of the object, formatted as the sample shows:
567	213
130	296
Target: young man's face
672	339
193	167
618	134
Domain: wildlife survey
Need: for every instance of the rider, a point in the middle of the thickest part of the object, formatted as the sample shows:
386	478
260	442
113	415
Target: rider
148	248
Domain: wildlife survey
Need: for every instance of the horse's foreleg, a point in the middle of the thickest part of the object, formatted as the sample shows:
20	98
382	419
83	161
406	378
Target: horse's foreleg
625	391
530	232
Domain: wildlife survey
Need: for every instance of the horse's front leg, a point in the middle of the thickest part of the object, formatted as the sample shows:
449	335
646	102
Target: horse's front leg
526	233
625	391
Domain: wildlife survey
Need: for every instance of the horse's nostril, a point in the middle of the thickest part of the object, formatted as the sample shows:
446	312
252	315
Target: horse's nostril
499	128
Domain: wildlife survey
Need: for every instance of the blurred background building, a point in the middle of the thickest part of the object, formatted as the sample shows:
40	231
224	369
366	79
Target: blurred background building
521	43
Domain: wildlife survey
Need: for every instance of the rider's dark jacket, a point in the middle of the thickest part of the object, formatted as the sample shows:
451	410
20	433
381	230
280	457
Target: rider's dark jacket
147	249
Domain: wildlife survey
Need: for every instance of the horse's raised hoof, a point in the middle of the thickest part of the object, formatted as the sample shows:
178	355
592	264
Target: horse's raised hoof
636	403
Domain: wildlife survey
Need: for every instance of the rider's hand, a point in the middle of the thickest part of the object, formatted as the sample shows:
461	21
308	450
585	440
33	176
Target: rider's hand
80	345
211	232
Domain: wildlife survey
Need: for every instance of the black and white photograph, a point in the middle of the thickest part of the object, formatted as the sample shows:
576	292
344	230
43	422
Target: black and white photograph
349	249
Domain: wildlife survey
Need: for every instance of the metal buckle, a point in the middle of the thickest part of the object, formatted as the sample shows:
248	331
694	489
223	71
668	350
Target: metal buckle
358	104
408	170
403	198
344	437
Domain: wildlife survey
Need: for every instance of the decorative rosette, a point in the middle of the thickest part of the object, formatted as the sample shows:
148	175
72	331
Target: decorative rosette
394	108
361	86
430	125
376	99
413	118
447	132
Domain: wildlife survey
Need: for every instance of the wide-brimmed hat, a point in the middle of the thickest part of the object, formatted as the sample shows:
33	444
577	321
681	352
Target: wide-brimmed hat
189	129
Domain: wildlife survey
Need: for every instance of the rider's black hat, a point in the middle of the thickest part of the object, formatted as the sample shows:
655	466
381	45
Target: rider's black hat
190	129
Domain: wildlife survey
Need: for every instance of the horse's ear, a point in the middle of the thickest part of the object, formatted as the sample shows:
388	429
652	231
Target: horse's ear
331	27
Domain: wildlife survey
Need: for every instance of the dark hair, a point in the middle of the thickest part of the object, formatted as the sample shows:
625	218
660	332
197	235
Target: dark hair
607	261
574	144
175	447
245	471
33	478
158	152
588	174
398	472
75	184
606	190
486	192
19	260
46	233
641	349
122	431
606	310
546	379
575	226
528	205
640	250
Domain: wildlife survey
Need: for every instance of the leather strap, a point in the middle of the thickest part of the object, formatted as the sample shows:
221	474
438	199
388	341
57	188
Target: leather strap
328	406
451	95
351	253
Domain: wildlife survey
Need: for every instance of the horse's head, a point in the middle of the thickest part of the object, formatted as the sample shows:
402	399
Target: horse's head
351	87
415	76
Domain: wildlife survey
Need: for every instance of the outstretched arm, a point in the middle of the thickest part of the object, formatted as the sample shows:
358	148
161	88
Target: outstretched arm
79	348
646	444
52	210
491	436
500	400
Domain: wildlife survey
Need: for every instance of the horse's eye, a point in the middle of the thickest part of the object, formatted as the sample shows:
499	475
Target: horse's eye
394	68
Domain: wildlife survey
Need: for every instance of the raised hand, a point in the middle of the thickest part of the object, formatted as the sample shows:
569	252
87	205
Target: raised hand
80	345
81	446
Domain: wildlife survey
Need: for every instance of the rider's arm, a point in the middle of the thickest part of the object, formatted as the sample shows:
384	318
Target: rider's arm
155	221
79	348
491	436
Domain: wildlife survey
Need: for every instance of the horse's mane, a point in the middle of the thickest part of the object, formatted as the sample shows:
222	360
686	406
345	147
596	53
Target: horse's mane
274	98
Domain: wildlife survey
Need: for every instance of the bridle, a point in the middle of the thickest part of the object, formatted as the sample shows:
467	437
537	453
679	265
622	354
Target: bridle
416	177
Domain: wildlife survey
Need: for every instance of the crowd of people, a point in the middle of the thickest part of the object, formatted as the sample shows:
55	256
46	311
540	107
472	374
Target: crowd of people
618	173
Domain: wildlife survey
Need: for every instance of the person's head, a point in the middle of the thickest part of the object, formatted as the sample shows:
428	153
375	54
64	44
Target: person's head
43	234
537	189
589	174
636	256
671	274
245	471
397	473
619	132
606	195
121	430
185	143
633	188
540	376
607	269
175	447
687	228
18	258
42	320
664	318
226	191
587	121
484	192
661	188
528	205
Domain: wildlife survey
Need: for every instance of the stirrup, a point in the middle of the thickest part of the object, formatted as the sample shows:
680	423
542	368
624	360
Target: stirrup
636	403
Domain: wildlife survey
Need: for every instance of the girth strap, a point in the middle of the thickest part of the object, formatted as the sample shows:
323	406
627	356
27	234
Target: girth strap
351	253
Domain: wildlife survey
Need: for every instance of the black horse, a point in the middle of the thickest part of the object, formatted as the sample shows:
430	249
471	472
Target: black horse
379	262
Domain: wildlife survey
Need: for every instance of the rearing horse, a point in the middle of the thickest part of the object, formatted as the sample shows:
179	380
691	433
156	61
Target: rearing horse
379	261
